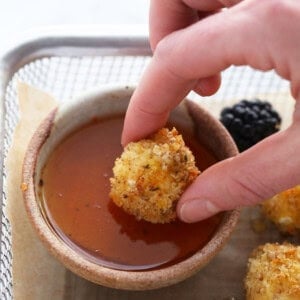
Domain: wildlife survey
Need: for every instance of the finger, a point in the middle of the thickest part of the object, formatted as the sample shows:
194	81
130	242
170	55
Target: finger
150	104
177	63
208	86
229	3
255	175
170	15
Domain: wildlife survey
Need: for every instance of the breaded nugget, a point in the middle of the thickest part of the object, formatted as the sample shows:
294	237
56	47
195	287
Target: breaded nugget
274	273
151	175
284	210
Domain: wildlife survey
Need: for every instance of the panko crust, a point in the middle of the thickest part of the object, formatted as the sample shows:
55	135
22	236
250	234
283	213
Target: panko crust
151	175
284	210
274	273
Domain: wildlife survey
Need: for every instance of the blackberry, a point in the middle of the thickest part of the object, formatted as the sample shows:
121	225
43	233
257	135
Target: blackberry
250	121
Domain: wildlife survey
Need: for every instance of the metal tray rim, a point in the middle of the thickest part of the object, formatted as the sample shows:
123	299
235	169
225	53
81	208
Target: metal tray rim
53	40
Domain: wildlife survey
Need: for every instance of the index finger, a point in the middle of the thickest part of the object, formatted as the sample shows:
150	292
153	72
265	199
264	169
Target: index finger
158	92
199	51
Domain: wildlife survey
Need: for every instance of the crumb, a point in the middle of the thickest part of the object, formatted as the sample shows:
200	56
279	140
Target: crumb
284	210
274	273
151	175
24	186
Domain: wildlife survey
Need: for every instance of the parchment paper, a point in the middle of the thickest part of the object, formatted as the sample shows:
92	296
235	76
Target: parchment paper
37	275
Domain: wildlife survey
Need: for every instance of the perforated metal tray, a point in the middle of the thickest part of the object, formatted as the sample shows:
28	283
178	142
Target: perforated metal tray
68	62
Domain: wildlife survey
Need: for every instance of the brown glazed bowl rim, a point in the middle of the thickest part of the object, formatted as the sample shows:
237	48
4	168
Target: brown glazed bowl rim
130	280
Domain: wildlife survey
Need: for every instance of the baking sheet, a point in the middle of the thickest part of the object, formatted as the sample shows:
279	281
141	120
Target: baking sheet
67	76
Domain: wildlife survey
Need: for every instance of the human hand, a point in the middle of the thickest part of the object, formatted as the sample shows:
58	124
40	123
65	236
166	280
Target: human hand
262	34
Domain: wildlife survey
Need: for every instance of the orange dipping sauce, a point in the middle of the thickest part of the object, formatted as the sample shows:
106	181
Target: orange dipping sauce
75	187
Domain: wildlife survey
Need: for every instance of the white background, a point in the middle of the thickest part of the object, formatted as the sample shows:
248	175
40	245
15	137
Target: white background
17	17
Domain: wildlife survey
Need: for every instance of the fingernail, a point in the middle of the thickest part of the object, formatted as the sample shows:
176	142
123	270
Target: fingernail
197	210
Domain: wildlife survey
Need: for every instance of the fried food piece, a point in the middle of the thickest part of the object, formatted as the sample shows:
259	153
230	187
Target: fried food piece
274	273
284	210
151	175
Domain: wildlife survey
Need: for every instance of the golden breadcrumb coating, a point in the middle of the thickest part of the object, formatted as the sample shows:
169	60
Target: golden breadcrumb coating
274	273
151	175
284	210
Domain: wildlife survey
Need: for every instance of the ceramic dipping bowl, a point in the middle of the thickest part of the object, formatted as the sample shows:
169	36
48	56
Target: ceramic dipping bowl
99	104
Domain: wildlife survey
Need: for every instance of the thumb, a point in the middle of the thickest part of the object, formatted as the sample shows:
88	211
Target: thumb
271	166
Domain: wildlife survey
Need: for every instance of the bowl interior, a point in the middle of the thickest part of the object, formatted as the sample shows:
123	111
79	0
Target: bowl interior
108	102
